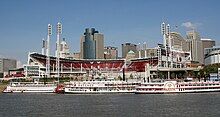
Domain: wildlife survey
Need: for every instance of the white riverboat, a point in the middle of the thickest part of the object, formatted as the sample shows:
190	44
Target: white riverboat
99	87
177	87
31	87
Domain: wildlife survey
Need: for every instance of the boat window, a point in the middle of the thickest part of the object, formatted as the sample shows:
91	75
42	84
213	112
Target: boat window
194	84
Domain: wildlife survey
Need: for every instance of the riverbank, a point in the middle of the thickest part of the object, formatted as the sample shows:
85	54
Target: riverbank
2	87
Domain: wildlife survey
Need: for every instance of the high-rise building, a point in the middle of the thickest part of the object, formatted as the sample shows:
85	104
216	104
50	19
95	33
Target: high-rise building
5	65
127	47
81	46
110	52
99	45
92	44
208	43
177	41
195	46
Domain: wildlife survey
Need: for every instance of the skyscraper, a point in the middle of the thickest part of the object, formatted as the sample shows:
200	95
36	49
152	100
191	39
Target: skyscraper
92	44
195	46
177	41
99	45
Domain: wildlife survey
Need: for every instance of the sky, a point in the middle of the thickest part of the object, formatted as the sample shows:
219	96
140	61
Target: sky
24	22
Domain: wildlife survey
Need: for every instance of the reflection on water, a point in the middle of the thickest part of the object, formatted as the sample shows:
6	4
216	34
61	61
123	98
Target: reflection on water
110	105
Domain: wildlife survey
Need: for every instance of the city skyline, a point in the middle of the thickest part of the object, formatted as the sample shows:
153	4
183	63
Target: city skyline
24	23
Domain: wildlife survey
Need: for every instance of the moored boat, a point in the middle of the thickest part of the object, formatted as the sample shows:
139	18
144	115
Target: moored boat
97	87
32	87
177	87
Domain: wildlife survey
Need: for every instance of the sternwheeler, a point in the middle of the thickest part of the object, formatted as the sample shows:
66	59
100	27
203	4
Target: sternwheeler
31	87
177	87
99	87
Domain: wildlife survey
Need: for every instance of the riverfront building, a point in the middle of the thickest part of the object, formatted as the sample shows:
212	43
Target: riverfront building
212	55
6	65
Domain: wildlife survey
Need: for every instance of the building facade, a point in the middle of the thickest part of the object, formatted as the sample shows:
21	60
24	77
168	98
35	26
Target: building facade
208	43
212	55
6	65
195	46
126	47
92	44
81	46
99	45
177	41
110	52
64	49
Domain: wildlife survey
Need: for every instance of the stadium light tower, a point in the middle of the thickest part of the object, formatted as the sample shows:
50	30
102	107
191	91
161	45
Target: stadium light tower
145	49
163	32
49	33
59	31
168	35
169	45
139	50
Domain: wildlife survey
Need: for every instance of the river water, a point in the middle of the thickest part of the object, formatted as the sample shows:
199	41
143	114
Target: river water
109	105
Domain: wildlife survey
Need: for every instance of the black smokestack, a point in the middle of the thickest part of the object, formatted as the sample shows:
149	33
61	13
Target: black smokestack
123	74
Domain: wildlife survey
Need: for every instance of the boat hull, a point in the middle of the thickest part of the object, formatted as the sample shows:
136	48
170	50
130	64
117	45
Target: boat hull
29	91
97	92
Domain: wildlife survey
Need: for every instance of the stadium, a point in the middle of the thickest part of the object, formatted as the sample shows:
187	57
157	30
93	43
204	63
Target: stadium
164	58
101	68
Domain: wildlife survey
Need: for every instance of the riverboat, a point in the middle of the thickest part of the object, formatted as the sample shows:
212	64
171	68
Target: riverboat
177	87
99	87
31	87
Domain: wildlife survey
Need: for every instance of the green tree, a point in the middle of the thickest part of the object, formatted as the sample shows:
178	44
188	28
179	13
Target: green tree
192	74
180	75
173	75
161	75
185	74
213	68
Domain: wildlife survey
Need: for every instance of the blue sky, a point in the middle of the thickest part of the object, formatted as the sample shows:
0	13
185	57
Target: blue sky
24	22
